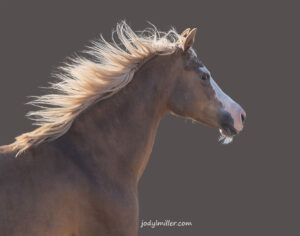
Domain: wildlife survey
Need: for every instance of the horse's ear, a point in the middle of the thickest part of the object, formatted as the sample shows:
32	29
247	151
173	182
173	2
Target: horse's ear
185	32
189	40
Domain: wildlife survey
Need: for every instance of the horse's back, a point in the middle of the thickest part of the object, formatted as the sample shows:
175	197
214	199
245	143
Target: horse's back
34	199
41	193
12	195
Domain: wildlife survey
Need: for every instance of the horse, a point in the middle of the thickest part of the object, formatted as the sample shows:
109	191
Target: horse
77	173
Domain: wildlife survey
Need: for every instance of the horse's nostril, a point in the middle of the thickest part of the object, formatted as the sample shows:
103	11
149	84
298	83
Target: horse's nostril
243	118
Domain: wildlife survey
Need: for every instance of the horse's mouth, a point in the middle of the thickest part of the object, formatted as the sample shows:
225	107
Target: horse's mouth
228	131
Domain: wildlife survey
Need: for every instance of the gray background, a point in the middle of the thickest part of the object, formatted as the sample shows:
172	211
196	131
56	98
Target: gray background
250	187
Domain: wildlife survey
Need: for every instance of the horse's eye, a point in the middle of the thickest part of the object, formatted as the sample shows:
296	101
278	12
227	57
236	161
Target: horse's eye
205	77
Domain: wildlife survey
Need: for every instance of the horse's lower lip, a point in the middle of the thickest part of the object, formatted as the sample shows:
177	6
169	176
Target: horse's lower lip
228	130
226	133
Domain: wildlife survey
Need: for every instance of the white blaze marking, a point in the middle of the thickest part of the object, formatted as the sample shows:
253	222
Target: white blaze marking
221	96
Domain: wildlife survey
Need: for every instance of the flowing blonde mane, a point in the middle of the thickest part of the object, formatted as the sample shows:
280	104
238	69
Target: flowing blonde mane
83	81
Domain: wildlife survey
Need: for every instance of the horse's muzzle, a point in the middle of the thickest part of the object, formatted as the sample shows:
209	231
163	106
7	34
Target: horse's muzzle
232	122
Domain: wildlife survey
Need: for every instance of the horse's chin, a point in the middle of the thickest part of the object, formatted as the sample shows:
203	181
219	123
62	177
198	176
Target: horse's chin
225	136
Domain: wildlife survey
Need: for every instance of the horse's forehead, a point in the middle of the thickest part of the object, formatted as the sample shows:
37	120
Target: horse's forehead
204	69
192	59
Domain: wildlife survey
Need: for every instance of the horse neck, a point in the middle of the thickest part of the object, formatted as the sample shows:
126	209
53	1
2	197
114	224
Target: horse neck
116	135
